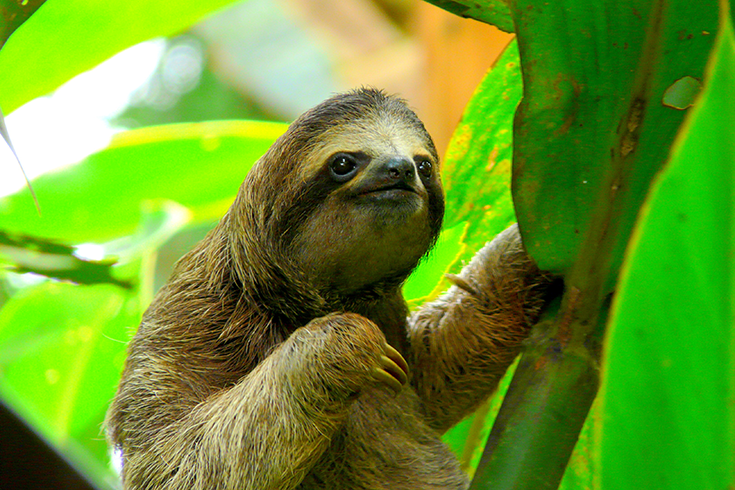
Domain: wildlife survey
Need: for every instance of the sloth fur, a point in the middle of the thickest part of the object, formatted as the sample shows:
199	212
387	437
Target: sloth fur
274	356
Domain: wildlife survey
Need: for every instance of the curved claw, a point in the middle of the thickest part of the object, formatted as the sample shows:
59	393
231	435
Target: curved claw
392	370
396	357
382	375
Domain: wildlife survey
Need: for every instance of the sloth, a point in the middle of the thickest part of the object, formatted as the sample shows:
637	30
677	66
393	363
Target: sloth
281	353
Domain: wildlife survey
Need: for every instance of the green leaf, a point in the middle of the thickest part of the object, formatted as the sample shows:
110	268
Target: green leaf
584	463
61	354
668	384
198	165
67	37
51	259
423	282
493	12
476	169
595	75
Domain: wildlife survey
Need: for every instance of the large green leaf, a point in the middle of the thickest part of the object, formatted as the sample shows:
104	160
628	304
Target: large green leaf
595	75
668	389
198	165
67	37
592	130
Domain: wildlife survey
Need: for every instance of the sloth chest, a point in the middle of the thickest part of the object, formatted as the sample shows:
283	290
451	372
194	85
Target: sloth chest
385	444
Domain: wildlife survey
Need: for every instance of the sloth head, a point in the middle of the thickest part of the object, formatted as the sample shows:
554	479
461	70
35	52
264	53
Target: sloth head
350	195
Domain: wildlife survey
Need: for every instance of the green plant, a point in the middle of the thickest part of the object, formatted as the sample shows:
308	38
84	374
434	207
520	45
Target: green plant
619	186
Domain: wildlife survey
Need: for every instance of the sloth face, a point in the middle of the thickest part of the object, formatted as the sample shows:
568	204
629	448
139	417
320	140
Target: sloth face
381	204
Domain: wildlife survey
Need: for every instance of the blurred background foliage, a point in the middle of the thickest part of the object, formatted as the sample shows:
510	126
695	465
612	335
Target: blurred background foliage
135	156
136	159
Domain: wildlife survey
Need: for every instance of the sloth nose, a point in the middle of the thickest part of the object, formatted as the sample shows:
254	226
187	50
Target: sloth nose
400	169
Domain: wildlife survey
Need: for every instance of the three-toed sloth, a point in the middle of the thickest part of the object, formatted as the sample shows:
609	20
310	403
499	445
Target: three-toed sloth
274	356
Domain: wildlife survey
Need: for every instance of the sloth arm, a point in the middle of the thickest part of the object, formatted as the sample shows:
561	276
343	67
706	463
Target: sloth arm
462	343
269	429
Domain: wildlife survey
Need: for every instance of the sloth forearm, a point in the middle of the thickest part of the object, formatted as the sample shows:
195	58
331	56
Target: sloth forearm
463	342
266	432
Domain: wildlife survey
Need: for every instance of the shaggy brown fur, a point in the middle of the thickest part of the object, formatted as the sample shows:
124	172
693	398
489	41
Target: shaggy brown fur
263	363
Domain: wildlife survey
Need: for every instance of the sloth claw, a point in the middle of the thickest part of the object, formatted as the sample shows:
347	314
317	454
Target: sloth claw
396	357
392	369
383	376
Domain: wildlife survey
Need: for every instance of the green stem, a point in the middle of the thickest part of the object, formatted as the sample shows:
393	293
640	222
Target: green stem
474	436
539	423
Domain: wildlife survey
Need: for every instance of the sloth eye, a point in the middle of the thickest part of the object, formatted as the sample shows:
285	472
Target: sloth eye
424	167
342	166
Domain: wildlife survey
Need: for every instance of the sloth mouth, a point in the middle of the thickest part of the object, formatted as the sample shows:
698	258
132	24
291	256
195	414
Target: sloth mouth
391	188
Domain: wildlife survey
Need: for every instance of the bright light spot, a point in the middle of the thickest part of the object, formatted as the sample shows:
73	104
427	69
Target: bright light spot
17	282
65	127
116	459
104	91
181	70
48	135
182	66
90	251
